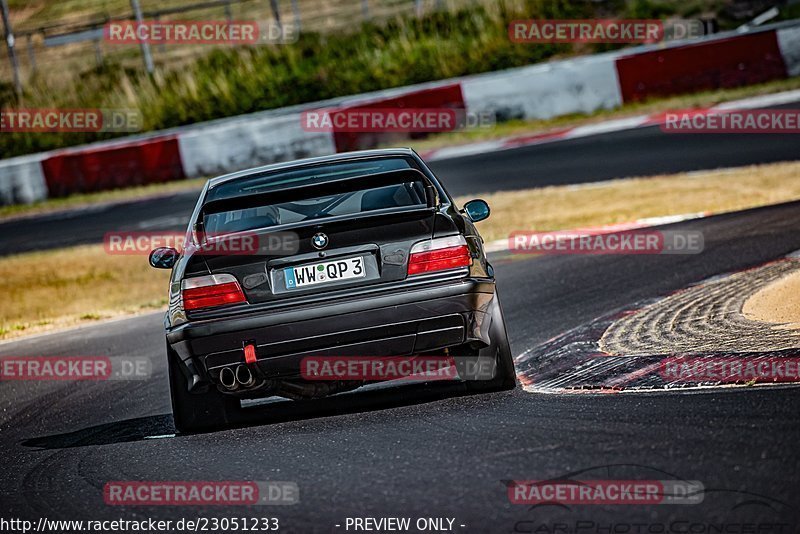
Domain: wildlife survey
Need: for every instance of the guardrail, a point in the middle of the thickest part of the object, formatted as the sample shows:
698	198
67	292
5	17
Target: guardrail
578	85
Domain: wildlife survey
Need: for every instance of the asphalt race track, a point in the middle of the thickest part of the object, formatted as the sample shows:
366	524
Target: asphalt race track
426	450
639	152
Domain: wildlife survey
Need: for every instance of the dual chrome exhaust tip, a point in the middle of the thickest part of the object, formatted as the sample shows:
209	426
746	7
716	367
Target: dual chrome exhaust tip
233	378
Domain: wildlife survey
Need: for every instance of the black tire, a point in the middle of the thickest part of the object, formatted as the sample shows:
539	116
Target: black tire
505	377
194	412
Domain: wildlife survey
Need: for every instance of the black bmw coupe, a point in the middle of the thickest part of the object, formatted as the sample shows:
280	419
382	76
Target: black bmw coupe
351	255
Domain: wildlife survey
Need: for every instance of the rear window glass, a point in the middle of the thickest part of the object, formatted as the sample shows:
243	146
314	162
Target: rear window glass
410	194
305	176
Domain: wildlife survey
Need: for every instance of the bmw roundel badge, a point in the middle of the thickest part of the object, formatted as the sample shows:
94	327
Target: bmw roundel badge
319	241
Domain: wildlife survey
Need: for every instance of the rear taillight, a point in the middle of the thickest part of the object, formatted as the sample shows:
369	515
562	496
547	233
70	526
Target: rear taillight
211	291
439	254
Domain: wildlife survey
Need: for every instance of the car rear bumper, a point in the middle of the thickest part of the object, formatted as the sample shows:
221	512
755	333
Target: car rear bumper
422	320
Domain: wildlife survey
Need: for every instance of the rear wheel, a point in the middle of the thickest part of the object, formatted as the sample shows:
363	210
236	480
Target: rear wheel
505	377
194	412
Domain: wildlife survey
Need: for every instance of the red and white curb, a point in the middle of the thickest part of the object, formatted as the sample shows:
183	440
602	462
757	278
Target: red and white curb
539	91
588	130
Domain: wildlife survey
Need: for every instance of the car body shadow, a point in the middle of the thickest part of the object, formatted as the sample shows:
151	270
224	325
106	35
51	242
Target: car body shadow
272	412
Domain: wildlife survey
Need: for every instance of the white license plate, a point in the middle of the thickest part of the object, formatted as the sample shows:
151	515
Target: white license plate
325	272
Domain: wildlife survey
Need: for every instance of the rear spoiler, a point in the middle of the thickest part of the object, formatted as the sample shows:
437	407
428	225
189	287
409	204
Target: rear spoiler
332	187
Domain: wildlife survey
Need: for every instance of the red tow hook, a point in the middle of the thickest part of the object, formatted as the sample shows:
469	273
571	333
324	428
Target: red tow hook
249	352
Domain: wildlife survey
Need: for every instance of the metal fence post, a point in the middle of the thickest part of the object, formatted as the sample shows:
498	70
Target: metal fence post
12	55
148	58
98	52
276	12
31	55
296	15
228	12
161	47
365	9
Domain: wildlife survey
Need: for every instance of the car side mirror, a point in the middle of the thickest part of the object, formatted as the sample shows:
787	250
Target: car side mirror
477	210
163	258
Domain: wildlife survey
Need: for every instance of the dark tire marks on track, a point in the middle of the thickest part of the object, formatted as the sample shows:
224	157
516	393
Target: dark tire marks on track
638	152
429	451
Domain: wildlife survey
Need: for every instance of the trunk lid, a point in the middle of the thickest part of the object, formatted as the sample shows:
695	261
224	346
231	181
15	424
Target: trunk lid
339	235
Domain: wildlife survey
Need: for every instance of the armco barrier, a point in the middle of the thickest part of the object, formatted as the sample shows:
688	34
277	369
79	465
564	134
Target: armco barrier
789	44
445	96
578	85
22	180
730	62
113	166
233	145
542	91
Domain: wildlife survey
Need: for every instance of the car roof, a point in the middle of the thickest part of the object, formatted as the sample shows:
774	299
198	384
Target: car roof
343	156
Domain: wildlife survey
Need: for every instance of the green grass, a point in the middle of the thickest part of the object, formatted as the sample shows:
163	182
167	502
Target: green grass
507	129
354	58
46	290
230	81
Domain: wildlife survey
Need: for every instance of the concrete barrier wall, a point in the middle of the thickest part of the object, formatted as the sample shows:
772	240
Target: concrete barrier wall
236	145
22	180
578	85
542	91
731	62
789	44
444	96
98	168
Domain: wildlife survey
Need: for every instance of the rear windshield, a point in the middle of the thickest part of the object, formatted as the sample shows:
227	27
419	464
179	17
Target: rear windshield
411	194
305	176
